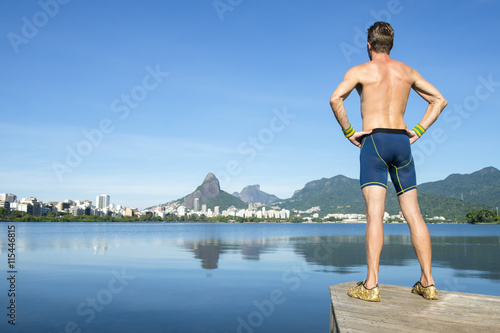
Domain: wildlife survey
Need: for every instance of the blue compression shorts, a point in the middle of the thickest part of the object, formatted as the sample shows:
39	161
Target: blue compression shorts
387	150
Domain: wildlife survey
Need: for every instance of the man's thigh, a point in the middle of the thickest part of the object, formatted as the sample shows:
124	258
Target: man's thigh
375	200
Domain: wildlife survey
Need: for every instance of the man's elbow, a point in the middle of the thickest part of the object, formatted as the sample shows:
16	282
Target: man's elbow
439	103
442	103
335	100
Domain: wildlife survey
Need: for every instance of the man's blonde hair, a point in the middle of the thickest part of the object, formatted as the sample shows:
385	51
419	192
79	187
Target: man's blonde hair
381	37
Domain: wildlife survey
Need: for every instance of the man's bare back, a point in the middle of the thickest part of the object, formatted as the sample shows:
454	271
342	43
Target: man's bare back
384	86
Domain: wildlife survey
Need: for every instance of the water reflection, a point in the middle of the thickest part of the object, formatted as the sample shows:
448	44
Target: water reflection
344	253
479	254
210	250
186	271
99	246
474	256
207	250
252	251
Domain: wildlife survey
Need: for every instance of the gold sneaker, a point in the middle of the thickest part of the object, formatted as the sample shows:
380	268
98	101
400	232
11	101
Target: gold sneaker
429	292
361	292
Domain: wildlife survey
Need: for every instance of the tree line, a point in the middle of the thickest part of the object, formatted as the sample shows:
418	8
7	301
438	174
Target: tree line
473	216
16	216
482	216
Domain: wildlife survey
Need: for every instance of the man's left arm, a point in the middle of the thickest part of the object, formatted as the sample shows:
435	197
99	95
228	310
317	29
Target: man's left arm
436	105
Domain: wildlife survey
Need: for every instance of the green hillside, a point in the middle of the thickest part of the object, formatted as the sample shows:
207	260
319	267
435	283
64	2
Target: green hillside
451	198
452	209
341	194
330	194
224	200
482	186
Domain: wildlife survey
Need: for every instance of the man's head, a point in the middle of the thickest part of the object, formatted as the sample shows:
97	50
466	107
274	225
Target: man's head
381	37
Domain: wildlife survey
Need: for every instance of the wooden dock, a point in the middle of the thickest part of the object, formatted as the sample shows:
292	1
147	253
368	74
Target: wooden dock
401	311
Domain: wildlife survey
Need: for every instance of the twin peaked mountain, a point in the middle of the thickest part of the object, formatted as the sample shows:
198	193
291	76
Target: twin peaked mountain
209	193
452	197
210	188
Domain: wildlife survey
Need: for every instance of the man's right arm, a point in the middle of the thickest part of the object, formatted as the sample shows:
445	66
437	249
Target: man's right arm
436	103
343	90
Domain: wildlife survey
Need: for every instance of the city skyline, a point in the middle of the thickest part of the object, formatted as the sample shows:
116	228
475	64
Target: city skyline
103	202
142	101
103	207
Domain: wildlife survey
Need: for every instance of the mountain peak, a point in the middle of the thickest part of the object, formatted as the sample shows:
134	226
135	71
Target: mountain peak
481	186
484	172
488	171
257	187
335	180
210	176
208	189
253	194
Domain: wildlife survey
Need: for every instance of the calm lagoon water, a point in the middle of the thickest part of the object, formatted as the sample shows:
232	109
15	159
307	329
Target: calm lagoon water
203	277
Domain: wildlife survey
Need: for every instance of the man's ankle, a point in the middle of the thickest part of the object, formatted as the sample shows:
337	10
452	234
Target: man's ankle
370	285
426	282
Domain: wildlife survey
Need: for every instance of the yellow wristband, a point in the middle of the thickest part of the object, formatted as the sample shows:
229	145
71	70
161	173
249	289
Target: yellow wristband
349	131
419	130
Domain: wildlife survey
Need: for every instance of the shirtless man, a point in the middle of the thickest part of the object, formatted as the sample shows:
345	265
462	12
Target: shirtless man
384	85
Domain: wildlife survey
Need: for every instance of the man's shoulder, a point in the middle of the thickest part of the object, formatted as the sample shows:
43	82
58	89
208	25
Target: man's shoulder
362	66
369	67
358	69
408	71
402	65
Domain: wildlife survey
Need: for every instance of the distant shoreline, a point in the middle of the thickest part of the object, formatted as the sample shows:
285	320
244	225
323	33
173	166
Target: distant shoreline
252	222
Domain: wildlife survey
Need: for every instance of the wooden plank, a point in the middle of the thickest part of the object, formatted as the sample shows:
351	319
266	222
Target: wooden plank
401	311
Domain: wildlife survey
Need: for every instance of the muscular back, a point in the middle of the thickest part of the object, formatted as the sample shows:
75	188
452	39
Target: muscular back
383	86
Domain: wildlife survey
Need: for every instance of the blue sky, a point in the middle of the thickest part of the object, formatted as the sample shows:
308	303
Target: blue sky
141	99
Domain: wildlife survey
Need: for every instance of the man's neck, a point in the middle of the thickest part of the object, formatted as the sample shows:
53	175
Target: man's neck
383	57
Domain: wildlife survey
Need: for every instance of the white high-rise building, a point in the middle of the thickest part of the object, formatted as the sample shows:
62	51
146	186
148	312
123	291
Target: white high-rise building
8	197
102	201
196	204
